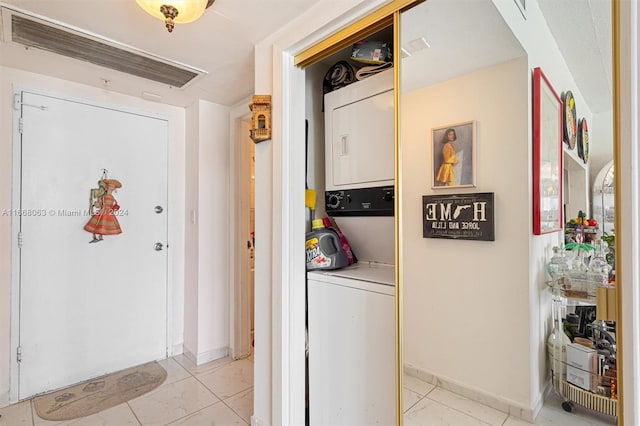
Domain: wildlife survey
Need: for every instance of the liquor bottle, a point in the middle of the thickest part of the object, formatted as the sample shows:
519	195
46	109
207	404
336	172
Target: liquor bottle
557	352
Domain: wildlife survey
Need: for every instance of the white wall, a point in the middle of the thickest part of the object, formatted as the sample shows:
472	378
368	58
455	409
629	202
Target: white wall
542	51
465	302
9	78
600	143
207	247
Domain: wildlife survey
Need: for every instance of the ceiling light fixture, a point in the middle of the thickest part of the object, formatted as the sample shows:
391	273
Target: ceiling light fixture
175	11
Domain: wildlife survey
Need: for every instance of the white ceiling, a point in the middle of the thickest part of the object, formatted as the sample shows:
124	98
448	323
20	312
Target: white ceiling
582	29
222	42
464	36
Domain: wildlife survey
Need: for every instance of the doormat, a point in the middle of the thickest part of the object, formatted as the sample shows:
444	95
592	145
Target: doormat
95	395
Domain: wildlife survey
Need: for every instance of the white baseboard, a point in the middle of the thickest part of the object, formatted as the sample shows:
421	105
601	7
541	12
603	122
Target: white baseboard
176	349
255	421
4	399
205	357
501	404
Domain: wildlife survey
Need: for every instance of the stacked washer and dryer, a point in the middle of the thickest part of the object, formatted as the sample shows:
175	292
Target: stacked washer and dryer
351	311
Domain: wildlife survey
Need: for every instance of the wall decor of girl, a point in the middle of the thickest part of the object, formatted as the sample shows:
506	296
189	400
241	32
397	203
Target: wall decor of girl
453	155
445	174
104	221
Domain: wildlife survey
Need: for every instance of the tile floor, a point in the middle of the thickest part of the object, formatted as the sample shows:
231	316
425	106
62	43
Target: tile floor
221	393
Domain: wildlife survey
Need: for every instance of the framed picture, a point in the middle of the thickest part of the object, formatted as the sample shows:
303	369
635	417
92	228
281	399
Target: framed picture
547	156
454	156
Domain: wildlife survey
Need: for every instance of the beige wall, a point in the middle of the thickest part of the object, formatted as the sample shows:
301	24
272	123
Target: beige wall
465	302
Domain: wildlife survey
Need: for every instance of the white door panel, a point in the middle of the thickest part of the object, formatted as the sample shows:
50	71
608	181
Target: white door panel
89	309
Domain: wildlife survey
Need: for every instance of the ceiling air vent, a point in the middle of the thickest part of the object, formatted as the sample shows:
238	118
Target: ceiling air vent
35	33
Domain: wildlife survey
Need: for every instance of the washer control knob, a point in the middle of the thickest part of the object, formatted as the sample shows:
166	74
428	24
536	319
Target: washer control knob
333	201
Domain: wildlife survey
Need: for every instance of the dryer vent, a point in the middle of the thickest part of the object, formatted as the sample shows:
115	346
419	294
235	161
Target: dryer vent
36	33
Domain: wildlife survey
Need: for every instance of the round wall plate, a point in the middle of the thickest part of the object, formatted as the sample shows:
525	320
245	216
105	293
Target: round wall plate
583	140
570	125
580	140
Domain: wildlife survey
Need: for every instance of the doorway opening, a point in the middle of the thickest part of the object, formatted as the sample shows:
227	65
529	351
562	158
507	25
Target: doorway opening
243	236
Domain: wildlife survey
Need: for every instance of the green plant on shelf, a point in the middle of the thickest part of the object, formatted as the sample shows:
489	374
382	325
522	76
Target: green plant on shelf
580	244
611	242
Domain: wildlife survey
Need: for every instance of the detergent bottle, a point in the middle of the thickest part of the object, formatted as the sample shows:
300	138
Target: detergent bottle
324	249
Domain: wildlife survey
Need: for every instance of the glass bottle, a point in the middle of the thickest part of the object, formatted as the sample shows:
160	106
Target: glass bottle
578	264
557	351
557	266
598	263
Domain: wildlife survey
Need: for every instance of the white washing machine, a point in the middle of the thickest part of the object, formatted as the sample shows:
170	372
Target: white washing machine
352	345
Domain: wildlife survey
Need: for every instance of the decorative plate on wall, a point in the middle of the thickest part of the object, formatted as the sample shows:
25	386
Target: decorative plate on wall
583	140
570	120
579	143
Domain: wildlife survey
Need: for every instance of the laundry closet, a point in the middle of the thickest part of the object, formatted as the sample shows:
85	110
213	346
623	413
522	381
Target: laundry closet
351	170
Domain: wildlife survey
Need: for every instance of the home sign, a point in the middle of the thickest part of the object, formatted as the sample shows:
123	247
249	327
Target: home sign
459	216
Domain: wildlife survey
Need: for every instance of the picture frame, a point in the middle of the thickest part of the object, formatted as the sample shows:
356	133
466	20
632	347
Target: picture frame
454	161
547	156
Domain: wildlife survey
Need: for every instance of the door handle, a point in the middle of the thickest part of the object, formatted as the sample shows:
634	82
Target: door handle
158	209
158	247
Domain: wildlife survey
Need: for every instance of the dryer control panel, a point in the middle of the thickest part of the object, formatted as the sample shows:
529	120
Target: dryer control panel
378	201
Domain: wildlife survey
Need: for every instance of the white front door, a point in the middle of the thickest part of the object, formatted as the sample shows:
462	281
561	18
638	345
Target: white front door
87	309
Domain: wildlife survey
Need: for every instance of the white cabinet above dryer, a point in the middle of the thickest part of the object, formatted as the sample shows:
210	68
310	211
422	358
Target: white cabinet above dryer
359	134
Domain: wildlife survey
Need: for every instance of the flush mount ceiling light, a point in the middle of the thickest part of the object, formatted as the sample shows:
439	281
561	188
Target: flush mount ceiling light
175	11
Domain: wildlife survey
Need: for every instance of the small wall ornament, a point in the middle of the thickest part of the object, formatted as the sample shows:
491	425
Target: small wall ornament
261	123
103	207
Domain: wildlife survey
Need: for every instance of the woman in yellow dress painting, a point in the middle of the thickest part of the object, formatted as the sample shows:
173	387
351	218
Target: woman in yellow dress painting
445	172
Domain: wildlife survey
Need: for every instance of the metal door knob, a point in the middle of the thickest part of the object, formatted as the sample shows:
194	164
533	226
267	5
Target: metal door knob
158	209
158	246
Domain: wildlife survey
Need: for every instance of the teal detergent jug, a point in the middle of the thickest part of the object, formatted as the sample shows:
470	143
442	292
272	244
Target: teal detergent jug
324	249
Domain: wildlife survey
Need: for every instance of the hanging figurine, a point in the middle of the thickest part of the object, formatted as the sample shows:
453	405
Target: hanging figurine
95	194
104	221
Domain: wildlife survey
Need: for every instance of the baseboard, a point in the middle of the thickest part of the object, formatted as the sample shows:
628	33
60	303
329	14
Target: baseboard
501	404
255	421
176	349
4	399
204	357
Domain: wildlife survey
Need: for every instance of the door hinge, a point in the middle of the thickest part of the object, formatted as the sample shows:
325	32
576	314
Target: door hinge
19	353
20	125
20	239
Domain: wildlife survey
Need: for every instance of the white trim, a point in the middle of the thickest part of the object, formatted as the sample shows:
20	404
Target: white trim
15	258
501	404
291	266
255	421
176	349
629	176
239	309
205	357
280	273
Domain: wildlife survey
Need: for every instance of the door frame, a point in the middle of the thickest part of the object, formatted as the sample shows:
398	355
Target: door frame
172	255
239	288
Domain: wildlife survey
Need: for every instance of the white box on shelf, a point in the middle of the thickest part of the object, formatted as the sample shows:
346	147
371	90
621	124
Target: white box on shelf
579	377
581	357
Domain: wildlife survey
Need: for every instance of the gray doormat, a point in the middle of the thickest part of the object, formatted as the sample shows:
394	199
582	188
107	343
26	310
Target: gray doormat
101	393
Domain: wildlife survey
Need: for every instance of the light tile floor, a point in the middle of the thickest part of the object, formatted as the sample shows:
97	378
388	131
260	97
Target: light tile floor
221	393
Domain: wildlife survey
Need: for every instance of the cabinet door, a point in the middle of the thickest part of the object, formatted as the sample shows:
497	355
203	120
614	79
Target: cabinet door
351	355
362	141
